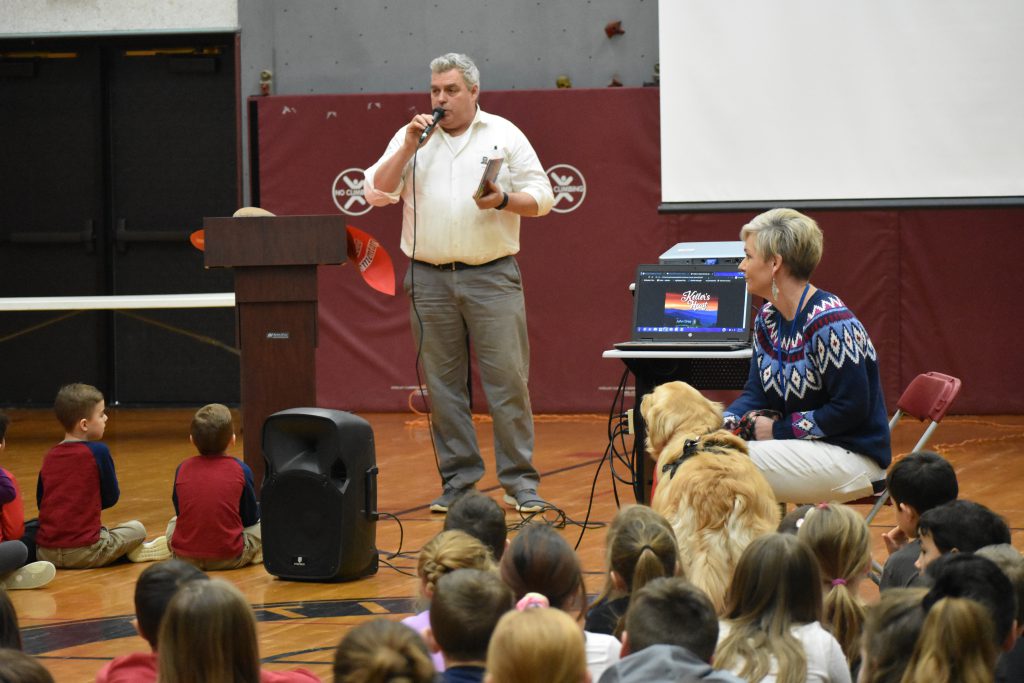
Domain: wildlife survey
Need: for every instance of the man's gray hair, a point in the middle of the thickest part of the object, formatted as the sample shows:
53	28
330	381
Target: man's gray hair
455	60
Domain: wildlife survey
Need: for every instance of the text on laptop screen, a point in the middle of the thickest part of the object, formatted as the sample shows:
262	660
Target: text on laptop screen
680	300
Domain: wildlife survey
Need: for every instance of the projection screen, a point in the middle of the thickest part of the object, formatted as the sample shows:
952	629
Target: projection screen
839	103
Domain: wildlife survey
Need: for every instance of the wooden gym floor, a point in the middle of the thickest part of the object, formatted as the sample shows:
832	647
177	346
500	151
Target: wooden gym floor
83	618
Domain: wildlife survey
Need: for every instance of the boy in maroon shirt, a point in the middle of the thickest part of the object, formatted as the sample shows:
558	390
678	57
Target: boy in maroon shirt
76	482
218	519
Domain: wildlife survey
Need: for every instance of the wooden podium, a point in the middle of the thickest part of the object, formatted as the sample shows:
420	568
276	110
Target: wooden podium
275	261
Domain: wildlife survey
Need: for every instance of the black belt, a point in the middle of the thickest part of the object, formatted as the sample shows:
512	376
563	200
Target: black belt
459	265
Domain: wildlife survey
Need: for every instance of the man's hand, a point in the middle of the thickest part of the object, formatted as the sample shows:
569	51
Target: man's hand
415	129
894	539
491	198
389	173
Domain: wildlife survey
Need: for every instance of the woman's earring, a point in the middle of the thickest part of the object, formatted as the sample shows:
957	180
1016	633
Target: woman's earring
775	290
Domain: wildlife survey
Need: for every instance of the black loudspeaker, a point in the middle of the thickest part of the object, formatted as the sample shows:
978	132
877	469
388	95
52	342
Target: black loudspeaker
319	496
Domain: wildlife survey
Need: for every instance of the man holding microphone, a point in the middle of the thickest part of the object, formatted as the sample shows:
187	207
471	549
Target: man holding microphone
463	279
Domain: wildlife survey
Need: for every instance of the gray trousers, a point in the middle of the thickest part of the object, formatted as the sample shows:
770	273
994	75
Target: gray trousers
485	305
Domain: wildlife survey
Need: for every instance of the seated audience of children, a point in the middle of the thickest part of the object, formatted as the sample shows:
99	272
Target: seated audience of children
840	540
540	561
382	651
446	552
1011	664
155	587
208	633
916	483
464	611
771	629
481	517
960	526
537	644
641	546
671	631
891	628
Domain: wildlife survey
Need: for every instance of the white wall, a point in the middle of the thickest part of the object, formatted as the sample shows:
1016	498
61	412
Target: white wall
76	17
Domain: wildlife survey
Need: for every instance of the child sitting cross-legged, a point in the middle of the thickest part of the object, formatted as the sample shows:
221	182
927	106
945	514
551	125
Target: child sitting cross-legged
218	519
76	482
14	572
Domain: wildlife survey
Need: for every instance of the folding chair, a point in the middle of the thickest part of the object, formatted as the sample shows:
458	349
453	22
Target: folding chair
928	397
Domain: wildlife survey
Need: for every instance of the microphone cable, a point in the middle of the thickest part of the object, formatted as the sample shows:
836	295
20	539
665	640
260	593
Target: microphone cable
427	406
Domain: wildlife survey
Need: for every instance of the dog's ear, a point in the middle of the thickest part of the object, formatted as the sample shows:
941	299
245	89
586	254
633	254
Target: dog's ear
663	415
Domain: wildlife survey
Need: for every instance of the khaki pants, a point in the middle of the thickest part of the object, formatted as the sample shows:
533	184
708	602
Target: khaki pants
113	544
252	550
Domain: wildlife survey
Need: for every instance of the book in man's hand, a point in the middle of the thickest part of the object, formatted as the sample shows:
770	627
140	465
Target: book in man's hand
490	173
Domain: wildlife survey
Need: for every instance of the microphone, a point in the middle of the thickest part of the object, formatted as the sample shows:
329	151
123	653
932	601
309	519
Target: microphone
438	115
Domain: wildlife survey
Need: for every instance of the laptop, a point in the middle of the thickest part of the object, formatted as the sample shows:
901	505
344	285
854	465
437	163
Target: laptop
690	307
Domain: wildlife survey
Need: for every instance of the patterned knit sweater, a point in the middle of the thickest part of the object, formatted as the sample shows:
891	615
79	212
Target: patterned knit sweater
826	384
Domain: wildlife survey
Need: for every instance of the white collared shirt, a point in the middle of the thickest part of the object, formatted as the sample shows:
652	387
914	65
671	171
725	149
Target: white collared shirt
450	227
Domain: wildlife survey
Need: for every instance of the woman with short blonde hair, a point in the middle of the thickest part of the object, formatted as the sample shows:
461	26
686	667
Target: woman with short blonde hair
812	410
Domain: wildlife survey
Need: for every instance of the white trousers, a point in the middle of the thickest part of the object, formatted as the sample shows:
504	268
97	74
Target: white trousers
801	471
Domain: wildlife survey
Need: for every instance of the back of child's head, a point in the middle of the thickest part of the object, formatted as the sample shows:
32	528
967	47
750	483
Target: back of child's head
4	421
18	667
154	589
956	645
212	429
776	575
641	546
10	632
923	480
965	575
891	628
841	542
539	560
963	525
672	611
776	585
208	633
537	644
1011	562
448	551
794	519
480	517
382	651
466	606
75	402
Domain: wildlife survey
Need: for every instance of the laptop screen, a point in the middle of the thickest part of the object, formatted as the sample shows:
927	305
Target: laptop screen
691	303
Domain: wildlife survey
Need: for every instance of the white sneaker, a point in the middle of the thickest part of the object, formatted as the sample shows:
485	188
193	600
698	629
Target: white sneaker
154	551
32	575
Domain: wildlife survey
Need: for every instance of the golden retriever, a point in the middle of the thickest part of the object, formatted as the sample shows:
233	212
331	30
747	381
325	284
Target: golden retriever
708	489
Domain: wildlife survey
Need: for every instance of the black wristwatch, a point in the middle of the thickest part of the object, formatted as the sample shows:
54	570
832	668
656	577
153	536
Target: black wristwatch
504	202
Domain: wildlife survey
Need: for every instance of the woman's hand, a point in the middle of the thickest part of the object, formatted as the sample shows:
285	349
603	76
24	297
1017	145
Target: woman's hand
763	428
